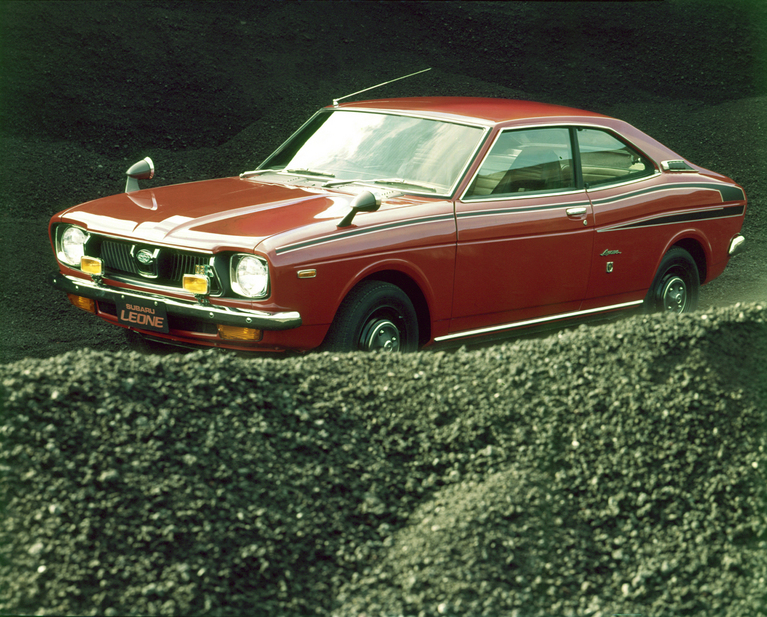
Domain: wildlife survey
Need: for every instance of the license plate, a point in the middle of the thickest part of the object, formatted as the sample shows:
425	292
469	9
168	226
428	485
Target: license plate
143	314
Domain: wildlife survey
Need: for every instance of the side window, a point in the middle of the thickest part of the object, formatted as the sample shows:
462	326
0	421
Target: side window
525	161
605	159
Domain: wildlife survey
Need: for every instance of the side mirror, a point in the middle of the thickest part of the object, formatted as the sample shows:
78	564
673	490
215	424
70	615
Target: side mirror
143	170
364	202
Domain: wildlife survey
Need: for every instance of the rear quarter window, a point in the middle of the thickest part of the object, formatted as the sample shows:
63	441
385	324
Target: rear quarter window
606	160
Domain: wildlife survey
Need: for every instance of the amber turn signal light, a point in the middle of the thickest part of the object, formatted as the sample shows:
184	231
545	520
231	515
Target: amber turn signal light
83	303
91	265
196	284
235	333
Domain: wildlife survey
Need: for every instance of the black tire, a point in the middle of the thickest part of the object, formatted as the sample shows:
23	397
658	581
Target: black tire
375	316
676	285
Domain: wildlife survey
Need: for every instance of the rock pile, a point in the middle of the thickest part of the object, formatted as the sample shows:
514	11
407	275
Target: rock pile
617	468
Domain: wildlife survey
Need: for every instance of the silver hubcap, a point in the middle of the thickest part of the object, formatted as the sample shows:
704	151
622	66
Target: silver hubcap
381	335
674	296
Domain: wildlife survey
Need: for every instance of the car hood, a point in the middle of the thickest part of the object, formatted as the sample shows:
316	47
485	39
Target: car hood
211	215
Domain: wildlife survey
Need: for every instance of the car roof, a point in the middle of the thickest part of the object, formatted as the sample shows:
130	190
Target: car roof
483	110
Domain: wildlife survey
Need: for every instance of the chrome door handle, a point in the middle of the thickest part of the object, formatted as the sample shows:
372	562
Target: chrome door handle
576	211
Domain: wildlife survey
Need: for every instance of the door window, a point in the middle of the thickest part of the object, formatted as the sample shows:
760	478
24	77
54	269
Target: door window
525	161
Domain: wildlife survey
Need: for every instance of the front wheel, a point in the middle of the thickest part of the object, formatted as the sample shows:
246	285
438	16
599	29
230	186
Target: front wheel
676	284
375	316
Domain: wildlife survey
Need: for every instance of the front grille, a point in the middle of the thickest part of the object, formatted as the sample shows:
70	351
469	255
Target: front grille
165	266
117	257
185	263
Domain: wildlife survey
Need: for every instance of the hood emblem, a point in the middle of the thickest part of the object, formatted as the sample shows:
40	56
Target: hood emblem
146	261
145	257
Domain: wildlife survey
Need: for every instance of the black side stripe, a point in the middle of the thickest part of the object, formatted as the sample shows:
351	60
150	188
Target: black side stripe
727	192
732	193
517	210
684	217
365	230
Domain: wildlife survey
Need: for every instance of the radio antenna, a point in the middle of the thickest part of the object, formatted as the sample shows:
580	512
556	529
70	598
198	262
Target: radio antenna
335	101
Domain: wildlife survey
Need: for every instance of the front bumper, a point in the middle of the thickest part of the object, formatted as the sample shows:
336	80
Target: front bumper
737	244
243	318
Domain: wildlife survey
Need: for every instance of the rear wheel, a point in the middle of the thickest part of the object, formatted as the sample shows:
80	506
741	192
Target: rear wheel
375	316
676	284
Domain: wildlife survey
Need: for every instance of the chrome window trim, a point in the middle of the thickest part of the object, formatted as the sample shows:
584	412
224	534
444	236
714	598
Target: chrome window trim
565	125
437	116
519	196
619	184
502	130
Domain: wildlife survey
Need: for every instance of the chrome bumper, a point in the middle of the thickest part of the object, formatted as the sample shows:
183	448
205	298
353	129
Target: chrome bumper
216	314
736	245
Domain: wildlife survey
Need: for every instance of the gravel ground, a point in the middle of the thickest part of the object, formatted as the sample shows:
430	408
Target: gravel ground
603	470
209	89
612	469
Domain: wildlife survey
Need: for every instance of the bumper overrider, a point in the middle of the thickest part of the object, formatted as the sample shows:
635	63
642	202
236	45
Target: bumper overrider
737	245
228	316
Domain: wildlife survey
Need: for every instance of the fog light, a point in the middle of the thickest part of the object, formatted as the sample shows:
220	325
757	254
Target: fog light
196	284
235	333
91	265
83	303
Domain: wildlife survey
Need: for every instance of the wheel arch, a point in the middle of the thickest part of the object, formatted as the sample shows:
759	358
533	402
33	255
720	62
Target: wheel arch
414	292
695	248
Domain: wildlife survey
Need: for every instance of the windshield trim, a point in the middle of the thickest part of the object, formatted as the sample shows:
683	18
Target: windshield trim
448	194
423	115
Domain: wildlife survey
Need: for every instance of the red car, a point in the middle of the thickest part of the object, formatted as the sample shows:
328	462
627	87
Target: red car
406	223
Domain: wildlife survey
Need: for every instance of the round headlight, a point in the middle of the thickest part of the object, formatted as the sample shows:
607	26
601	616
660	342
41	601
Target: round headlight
72	245
250	276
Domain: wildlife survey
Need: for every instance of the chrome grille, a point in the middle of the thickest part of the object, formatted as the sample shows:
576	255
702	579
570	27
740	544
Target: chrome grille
168	269
184	263
116	256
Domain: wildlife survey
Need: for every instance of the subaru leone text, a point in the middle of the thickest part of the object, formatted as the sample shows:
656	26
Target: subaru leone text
406	223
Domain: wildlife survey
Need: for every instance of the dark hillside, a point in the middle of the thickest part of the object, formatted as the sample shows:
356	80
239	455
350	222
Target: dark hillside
211	88
615	469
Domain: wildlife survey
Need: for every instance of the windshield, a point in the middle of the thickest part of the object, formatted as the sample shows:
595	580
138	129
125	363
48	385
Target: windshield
340	146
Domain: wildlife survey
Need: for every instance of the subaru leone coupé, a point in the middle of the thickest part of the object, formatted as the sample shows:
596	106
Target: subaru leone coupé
406	223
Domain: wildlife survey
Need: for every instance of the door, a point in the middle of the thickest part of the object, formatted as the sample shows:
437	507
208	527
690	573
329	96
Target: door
525	234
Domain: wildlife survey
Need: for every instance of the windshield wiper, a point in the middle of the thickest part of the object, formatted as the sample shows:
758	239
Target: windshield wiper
382	181
428	187
255	172
309	172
